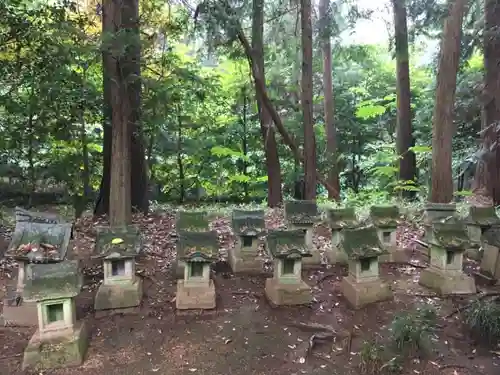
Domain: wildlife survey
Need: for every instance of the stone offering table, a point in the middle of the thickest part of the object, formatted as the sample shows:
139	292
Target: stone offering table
338	220
286	287
363	285
444	274
478	221
32	242
121	288
490	263
197	250
303	215
248	226
386	220
60	339
190	221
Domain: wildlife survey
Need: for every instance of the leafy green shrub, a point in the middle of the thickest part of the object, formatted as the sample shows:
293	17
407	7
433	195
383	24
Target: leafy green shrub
483	319
374	359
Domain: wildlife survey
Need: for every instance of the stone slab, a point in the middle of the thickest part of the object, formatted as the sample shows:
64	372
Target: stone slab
281	294
364	293
244	264
313	261
447	282
179	269
119	296
23	315
65	351
195	297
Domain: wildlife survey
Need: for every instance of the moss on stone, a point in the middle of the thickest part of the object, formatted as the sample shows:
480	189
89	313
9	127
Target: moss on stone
192	221
339	218
359	243
130	245
451	235
482	216
198	246
287	243
248	225
301	212
384	216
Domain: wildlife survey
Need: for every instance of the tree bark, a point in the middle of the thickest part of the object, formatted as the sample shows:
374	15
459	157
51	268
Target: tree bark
274	192
330	129
442	181
404	136
306	99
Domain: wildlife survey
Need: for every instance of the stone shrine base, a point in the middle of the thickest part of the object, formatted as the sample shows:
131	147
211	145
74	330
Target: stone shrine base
242	262
119	296
360	294
313	261
63	351
287	294
336	256
195	296
447	282
23	315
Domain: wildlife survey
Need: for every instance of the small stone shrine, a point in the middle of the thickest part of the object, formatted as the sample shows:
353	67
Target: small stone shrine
33	241
444	275
197	250
386	219
435	213
190	221
117	248
303	215
288	249
60	340
478	221
490	263
248	226
363	285
338	220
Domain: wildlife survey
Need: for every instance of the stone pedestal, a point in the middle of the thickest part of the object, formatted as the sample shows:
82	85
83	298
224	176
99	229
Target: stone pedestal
119	296
445	282
362	293
57	350
298	293
242	261
195	296
490	264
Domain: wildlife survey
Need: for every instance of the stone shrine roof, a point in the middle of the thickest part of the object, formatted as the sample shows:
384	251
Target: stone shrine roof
384	216
248	223
287	243
482	216
198	246
192	221
118	242
451	235
340	218
360	243
302	212
53	281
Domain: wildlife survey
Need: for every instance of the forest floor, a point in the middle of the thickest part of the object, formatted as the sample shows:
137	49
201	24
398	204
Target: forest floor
244	335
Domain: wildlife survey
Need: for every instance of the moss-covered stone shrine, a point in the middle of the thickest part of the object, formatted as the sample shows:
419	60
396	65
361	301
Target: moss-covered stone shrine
363	285
60	340
386	219
248	226
436	213
190	221
33	241
117	248
197	250
288	249
338	220
303	215
478	221
444	275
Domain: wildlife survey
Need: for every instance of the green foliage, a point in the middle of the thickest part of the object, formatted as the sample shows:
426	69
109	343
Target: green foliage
483	319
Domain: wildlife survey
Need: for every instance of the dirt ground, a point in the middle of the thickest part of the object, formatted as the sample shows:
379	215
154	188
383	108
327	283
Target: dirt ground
244	335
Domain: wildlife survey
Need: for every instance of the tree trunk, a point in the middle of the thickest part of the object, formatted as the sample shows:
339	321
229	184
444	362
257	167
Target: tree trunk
442	181
119	204
404	136
274	192
331	136
307	105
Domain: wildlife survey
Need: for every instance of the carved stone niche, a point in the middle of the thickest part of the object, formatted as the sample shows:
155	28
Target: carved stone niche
60	340
248	227
197	250
303	215
287	249
338	220
118	248
444	274
191	221
386	220
363	285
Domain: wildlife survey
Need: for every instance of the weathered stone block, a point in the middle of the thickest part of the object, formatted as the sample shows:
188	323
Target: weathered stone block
195	296
446	282
244	262
313	261
360	294
61	351
179	266
490	264
280	294
118	296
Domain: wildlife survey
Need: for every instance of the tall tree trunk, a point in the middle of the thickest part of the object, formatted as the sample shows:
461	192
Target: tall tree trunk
331	136
307	105
442	134
274	192
120	207
404	136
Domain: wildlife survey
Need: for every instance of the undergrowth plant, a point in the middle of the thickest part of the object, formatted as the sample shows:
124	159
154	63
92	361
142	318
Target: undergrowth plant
483	319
